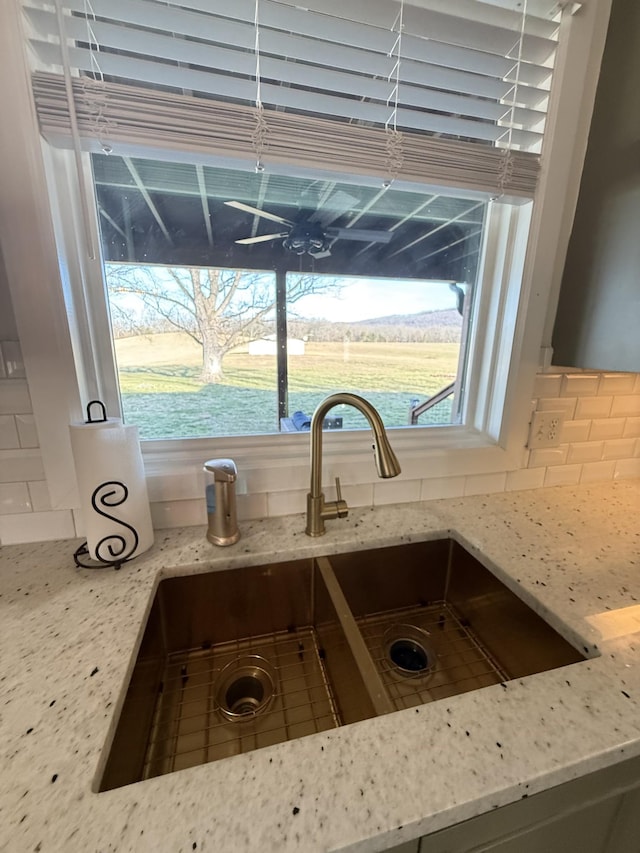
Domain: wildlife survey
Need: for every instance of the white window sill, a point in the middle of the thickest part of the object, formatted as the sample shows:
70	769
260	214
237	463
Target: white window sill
280	463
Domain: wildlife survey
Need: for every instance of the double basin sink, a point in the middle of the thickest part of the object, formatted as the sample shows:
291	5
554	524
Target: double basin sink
232	661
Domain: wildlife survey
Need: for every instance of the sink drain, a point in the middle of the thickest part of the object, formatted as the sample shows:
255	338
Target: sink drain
245	687
409	651
408	656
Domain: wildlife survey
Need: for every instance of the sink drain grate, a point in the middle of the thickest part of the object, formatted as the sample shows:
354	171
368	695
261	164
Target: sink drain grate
405	642
236	697
245	687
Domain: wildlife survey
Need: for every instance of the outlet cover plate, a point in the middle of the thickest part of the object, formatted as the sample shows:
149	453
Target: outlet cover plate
546	429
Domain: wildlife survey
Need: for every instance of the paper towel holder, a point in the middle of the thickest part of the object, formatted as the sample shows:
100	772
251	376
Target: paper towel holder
108	494
83	551
103	411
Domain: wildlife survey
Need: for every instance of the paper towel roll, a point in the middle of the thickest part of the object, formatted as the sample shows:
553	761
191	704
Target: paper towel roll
113	489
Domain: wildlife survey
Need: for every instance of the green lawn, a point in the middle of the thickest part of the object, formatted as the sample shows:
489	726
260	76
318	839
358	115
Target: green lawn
162	395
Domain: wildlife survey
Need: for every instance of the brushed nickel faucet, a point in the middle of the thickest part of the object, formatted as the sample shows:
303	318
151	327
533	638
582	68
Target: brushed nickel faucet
318	511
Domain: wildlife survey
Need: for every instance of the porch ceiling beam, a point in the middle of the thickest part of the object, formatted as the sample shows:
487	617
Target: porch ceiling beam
435	230
148	200
112	222
202	187
402	221
262	192
450	245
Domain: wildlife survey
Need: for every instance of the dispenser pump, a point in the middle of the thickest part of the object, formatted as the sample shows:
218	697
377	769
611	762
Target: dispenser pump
220	491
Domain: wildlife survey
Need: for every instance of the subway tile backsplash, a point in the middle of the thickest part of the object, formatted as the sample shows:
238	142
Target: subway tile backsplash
600	440
579	385
12	359
593	407
14	397
631	427
25	511
14	498
36	527
8	433
606	428
562	475
617	383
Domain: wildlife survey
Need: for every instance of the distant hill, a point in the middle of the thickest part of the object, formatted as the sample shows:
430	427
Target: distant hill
423	320
423	327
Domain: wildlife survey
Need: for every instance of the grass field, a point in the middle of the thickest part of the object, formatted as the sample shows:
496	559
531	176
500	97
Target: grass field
162	395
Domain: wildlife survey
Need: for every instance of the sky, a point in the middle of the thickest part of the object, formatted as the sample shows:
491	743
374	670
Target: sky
362	299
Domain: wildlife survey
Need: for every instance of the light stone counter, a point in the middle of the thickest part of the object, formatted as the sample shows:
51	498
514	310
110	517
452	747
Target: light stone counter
68	638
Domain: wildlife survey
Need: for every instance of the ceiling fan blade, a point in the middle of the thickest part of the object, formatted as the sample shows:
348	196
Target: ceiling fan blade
256	212
363	234
247	241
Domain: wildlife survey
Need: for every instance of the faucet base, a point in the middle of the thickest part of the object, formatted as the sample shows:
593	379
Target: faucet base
318	512
315	521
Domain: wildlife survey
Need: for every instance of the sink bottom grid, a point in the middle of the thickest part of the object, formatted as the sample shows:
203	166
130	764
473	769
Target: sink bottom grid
190	729
462	663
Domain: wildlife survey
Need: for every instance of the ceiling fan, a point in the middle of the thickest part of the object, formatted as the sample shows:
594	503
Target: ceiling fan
309	236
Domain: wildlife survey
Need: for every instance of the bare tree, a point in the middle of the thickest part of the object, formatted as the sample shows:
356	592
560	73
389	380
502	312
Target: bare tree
219	309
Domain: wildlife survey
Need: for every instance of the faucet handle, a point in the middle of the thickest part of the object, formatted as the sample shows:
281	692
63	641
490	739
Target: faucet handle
341	506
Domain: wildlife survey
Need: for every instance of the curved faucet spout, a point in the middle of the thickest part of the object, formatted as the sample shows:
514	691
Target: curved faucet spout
386	461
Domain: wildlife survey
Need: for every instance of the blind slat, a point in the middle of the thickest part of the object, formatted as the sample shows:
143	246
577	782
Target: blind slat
226	61
236	34
210	18
181	123
296	99
482	12
473	78
356	15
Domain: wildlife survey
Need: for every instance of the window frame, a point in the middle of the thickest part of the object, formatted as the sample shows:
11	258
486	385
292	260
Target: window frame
481	446
524	271
506	225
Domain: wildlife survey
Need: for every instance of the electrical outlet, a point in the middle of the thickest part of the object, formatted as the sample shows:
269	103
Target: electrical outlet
546	428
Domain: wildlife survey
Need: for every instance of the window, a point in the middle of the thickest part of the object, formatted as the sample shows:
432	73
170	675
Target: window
467	87
376	289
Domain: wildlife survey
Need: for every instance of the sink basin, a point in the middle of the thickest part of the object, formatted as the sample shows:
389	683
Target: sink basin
469	629
266	636
232	661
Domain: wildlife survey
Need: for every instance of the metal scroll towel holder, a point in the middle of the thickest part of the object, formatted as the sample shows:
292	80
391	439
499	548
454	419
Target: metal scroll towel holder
105	496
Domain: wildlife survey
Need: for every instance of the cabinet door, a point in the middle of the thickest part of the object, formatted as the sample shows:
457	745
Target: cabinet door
407	847
585	831
598	813
625	832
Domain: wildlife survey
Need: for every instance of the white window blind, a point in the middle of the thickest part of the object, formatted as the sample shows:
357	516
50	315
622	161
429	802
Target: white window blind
464	81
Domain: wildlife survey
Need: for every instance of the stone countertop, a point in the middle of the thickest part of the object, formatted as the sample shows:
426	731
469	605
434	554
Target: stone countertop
68	639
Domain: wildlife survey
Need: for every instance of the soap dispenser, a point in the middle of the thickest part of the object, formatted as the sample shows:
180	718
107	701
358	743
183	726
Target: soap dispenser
220	491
